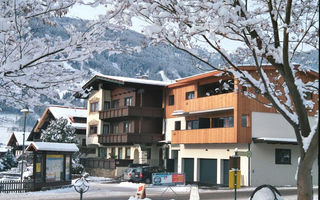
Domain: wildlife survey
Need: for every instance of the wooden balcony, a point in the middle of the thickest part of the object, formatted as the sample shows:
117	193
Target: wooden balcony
130	111
128	138
228	100
204	136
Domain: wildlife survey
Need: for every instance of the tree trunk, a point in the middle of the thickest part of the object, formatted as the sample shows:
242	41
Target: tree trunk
304	182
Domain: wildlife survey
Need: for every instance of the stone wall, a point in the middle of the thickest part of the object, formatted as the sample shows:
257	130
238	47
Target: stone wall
107	173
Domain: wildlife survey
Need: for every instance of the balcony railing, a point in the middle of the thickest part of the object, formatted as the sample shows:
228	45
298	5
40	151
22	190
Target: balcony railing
129	138
228	100
130	111
204	136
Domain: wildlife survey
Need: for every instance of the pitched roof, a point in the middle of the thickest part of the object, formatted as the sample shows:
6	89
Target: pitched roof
64	112
18	137
122	80
52	146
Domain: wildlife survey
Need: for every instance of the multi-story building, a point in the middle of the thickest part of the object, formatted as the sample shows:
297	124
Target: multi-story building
208	117
125	118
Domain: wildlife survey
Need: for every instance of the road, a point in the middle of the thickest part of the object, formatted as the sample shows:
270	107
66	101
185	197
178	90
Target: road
123	191
287	194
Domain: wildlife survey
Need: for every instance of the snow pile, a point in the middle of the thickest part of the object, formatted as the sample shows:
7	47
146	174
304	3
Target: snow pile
133	198
266	194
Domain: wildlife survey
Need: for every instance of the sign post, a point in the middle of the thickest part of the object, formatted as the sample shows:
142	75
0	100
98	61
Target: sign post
169	180
81	186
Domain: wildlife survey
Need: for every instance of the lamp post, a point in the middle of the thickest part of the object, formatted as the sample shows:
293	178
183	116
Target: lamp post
25	111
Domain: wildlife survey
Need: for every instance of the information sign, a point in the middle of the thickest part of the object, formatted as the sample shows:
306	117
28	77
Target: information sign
168	179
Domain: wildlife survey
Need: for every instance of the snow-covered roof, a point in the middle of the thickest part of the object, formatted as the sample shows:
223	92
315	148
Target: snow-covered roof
79	125
122	80
65	112
52	146
275	140
19	137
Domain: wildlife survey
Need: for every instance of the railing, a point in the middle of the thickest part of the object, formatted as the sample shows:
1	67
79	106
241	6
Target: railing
103	163
126	138
131	111
204	136
16	186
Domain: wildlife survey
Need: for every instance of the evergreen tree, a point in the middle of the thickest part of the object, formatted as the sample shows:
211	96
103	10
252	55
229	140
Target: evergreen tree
59	130
8	161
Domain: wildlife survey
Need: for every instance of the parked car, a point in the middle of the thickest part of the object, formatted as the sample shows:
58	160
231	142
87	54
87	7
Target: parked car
144	174
128	172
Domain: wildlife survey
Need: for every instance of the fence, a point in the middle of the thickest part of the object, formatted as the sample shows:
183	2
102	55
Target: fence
16	186
104	163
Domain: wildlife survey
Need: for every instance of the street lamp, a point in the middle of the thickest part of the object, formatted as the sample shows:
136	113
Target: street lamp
25	111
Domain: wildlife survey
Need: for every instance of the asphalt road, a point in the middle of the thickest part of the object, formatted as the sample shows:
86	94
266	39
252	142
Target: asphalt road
207	195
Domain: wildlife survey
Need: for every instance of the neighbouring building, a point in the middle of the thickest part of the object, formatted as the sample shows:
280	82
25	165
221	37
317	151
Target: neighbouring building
77	117
15	142
206	121
124	120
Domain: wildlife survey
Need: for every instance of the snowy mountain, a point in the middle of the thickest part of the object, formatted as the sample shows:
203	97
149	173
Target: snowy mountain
159	62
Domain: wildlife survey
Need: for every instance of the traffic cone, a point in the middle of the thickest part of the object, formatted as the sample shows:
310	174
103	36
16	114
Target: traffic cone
141	191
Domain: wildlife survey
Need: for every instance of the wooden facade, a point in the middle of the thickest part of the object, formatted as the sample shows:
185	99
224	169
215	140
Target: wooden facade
214	105
131	112
128	138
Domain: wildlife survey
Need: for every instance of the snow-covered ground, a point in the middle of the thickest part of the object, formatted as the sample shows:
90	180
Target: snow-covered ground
105	188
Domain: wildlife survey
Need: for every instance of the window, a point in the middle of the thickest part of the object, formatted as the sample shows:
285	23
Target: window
189	95
128	101
128	152
244	121
222	122
113	153
119	152
115	128
79	119
126	127
94	107
83	142
192	124
107	105
221	87
177	125
148	153
283	156
115	103
171	100
106	129
102	152
93	129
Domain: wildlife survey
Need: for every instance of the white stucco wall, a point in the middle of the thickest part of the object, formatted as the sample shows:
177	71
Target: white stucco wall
213	151
170	123
93	116
265	171
272	125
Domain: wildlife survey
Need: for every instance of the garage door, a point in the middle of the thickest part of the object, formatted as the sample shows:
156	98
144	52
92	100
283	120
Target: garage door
208	171
188	168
